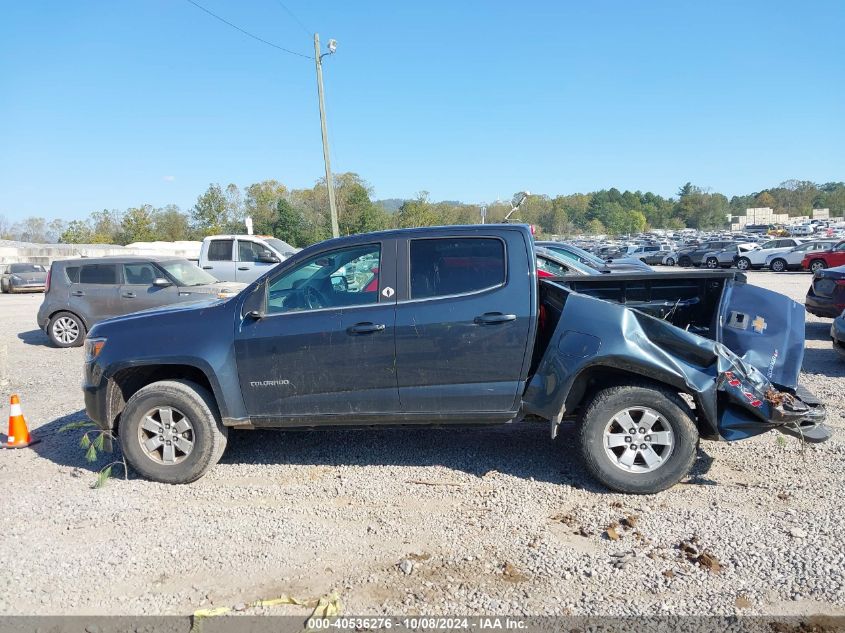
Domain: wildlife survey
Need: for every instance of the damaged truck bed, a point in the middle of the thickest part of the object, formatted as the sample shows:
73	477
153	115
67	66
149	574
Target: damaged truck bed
447	326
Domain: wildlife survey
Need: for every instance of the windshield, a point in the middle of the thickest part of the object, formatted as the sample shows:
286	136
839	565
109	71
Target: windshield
26	268
280	246
187	274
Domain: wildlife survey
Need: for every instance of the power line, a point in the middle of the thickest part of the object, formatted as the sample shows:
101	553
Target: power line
247	33
295	19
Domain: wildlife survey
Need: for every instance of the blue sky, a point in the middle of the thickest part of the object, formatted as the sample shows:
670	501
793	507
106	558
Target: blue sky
110	104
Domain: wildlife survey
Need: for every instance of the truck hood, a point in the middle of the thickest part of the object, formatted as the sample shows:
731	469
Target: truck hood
187	312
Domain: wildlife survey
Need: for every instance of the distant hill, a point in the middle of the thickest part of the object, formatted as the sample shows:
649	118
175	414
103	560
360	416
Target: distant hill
391	205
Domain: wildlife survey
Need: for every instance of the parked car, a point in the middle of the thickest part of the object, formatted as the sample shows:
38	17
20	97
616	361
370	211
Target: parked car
83	292
670	258
242	258
694	255
724	258
551	265
837	335
827	258
650	254
611	264
459	329
22	277
826	295
792	259
757	258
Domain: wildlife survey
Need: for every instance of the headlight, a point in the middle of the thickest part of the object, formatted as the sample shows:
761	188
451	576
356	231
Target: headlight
93	347
15	278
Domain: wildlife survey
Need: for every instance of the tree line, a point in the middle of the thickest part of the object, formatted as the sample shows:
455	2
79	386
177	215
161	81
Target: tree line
301	217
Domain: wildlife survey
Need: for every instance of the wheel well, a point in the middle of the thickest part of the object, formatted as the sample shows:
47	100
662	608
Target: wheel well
591	380
126	382
60	311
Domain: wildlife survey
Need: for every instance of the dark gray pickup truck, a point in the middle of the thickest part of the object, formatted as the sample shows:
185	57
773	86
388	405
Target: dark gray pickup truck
452	326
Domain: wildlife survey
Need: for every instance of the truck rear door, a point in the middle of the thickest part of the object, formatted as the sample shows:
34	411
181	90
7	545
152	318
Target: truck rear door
218	260
464	321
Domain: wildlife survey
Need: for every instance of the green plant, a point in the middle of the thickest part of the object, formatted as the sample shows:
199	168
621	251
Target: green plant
96	446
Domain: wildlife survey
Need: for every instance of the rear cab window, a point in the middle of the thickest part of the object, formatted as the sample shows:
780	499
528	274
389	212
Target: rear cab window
453	266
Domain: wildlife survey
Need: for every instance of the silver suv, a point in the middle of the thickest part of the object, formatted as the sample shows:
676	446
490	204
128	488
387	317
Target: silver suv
82	292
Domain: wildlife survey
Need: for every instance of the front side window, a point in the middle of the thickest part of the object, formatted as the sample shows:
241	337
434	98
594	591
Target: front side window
840	246
140	274
252	251
344	277
452	266
98	274
220	250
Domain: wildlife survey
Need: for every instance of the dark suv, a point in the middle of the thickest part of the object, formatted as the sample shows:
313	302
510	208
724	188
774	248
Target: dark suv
82	292
694	255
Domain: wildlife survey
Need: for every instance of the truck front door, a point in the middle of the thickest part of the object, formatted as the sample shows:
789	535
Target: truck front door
324	345
463	324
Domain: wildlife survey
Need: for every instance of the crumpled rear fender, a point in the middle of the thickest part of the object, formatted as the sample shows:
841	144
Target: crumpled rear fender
733	400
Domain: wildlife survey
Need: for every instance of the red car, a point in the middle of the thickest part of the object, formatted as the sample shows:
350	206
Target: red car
818	260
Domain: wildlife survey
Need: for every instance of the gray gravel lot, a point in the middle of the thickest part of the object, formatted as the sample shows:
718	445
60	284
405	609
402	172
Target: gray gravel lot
505	523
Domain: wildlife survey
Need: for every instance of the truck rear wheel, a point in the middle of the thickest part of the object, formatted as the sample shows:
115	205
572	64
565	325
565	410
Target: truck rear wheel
170	432
638	438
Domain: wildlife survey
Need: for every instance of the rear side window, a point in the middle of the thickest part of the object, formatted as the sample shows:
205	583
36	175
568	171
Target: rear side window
220	250
72	273
98	274
452	266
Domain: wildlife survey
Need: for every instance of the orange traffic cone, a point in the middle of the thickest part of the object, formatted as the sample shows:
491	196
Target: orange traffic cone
18	433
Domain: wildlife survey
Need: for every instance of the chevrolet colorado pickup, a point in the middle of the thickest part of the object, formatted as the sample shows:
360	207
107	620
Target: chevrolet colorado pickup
451	325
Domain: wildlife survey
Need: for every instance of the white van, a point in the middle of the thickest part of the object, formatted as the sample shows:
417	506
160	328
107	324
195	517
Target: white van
242	258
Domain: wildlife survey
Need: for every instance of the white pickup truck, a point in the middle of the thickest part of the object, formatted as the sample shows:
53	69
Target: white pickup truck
242	258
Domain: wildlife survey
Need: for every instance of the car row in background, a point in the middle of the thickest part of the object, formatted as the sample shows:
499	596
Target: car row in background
610	264
22	277
82	292
832	256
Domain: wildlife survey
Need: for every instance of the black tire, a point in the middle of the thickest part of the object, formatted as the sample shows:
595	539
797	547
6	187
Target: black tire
4	288
817	264
685	261
778	265
208	434
712	263
61	324
605	405
743	263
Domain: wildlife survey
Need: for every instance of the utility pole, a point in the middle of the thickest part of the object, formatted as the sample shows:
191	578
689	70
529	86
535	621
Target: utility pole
318	58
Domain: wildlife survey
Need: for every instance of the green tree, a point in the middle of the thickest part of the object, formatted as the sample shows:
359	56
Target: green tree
105	226
261	204
77	232
417	212
210	214
137	225
171	225
289	223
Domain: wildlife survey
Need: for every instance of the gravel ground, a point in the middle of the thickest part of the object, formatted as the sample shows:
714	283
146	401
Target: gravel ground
505	522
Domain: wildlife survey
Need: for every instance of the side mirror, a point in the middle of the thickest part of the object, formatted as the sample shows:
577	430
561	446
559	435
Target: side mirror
268	258
255	315
161	282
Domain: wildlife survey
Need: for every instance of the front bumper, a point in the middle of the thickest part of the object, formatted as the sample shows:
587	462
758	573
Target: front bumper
95	390
27	287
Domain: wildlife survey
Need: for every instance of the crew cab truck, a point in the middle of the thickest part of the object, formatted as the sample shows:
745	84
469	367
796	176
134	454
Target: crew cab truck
242	258
451	325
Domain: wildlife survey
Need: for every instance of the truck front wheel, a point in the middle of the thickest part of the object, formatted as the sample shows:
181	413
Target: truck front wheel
170	432
638	439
